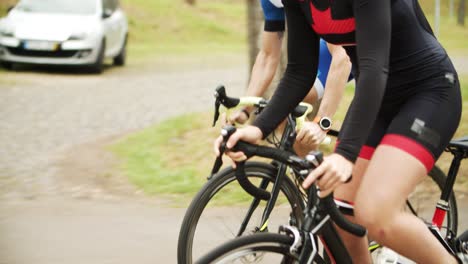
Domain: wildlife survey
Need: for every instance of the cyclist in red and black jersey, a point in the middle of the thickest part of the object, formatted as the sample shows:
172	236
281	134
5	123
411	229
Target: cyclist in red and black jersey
407	106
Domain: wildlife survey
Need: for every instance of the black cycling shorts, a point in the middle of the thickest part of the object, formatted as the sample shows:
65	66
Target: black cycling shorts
421	124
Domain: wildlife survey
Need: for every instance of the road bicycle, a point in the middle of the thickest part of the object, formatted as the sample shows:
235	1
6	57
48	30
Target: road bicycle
225	207
295	244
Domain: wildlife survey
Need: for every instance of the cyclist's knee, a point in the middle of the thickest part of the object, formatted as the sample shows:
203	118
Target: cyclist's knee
369	213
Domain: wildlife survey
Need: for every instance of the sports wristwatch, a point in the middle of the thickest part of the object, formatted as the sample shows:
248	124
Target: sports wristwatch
325	123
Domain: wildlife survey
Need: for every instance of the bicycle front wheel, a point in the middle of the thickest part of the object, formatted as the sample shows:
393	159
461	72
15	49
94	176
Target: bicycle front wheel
220	210
258	248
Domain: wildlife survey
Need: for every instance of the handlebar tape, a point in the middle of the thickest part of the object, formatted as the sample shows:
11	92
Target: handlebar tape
251	150
247	185
263	151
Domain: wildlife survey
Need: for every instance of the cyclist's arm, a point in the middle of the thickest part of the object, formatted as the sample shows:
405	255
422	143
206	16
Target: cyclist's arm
337	78
266	63
303	50
338	73
373	18
263	71
267	59
269	56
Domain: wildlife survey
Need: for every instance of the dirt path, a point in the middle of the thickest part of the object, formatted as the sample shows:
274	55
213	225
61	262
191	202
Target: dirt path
60	199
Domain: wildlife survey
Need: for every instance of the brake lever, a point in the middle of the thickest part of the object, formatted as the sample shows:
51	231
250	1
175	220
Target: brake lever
226	132
216	113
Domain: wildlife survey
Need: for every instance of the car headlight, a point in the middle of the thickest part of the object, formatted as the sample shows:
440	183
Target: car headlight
78	36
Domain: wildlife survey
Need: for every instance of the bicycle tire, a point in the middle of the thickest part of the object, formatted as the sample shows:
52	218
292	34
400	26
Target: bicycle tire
260	244
216	184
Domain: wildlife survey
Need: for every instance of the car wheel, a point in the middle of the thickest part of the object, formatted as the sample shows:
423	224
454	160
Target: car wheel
119	60
97	66
7	65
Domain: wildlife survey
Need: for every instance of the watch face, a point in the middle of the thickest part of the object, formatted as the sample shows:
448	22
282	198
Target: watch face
325	123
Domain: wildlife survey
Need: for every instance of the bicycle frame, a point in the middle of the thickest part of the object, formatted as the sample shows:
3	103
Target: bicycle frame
317	222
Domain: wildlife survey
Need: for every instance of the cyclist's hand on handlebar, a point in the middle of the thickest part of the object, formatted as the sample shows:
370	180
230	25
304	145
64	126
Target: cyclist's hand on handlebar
310	135
249	134
239	117
334	170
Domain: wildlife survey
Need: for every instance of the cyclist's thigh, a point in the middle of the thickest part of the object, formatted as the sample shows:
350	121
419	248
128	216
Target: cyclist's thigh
348	191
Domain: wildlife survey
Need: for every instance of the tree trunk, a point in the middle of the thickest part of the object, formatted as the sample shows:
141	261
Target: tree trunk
461	13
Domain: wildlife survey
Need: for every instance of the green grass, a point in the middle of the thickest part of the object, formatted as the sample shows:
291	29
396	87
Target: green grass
173	157
172	27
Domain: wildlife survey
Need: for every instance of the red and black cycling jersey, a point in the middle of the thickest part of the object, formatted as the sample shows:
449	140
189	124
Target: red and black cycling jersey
390	44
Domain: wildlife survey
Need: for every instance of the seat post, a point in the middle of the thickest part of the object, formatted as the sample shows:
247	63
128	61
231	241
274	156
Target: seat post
458	155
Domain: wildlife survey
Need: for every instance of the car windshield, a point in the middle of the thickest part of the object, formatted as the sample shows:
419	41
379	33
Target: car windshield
78	7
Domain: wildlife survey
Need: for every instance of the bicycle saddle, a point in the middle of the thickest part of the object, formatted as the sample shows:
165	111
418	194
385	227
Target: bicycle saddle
460	142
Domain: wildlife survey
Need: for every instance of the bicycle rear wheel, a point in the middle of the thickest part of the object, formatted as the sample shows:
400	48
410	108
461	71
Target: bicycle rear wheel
424	198
216	213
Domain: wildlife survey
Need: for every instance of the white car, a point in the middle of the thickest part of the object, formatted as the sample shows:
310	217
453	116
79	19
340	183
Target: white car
64	32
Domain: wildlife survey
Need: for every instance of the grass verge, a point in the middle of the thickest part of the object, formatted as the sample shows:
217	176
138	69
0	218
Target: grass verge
173	157
162	27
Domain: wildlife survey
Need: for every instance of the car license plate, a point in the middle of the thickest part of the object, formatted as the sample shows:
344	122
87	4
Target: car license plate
41	45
